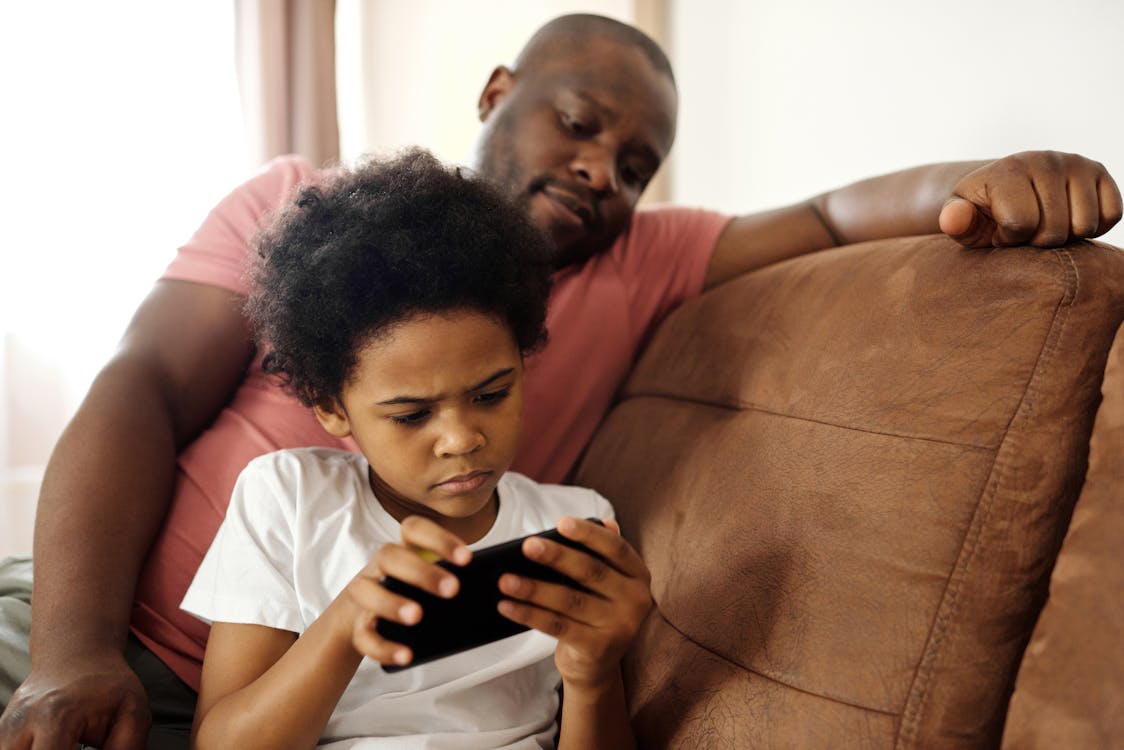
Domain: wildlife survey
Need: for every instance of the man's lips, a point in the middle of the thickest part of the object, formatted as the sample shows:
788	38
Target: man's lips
570	207
463	483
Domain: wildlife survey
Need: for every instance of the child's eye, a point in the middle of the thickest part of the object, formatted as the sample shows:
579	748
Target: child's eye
492	397
413	418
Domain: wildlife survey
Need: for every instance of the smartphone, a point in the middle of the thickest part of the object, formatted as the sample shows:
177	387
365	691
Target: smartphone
470	619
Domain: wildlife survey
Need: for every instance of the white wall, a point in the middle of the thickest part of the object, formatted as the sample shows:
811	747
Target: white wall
781	100
411	73
121	128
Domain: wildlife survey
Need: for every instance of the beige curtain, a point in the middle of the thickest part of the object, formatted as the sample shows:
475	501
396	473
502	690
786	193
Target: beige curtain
651	17
286	57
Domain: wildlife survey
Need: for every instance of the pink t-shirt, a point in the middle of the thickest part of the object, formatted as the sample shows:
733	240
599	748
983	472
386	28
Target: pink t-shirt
600	315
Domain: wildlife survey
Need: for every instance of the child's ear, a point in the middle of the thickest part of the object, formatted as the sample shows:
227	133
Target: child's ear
333	419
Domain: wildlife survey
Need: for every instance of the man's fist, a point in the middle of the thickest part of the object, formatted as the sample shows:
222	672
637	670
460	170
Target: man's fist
1041	198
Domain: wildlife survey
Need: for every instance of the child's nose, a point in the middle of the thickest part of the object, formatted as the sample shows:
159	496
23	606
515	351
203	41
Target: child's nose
460	439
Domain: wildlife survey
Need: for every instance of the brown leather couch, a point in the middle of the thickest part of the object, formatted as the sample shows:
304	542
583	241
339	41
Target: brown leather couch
851	475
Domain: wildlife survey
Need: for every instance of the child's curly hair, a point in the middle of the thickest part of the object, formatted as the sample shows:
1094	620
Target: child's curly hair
372	246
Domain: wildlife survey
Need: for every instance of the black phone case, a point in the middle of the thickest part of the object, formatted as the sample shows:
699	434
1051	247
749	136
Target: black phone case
469	619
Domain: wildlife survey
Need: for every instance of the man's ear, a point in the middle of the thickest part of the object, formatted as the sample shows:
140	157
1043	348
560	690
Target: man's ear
498	86
333	419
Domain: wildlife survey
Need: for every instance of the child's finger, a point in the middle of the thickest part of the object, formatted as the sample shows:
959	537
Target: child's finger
616	554
611	523
366	640
374	600
543	620
409	567
581	606
606	541
426	536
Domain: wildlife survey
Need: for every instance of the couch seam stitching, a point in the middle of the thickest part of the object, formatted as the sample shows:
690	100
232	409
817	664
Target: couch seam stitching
772	677
914	710
751	407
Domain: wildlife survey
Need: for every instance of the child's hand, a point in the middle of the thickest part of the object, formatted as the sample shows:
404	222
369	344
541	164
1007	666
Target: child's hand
593	629
412	561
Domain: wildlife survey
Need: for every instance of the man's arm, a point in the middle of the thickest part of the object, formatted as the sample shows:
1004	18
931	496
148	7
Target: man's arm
1040	198
106	490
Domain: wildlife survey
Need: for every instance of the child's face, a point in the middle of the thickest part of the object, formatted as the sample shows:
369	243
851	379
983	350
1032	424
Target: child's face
435	406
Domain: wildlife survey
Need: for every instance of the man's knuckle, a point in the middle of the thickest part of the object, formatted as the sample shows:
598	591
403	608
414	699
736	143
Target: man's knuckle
1018	225
1052	238
1084	228
54	705
11	721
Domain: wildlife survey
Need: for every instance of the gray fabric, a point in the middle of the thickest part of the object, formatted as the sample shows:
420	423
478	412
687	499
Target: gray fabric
15	624
172	701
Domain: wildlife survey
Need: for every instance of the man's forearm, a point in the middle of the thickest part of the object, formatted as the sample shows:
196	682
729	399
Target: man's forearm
906	203
900	204
105	492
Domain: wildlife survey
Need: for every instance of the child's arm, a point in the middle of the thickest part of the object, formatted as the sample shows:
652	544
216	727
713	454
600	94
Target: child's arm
267	688
264	687
593	629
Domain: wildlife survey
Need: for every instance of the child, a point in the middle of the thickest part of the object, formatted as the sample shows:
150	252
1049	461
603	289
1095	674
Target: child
397	300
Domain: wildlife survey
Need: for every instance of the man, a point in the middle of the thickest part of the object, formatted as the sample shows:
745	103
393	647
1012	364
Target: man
574	131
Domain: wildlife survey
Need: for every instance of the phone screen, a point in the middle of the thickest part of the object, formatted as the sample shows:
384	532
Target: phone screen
470	618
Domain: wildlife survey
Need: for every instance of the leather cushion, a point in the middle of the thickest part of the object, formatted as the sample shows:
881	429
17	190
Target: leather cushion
849	475
1070	687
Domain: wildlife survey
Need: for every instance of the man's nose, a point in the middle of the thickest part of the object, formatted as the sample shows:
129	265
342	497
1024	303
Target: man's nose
596	167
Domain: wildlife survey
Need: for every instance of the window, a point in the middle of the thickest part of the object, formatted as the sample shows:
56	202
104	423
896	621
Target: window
121	129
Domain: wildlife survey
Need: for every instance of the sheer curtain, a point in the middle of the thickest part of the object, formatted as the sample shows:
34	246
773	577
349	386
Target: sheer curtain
121	129
287	77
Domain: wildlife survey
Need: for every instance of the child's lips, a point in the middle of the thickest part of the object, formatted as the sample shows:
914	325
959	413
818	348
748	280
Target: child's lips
463	483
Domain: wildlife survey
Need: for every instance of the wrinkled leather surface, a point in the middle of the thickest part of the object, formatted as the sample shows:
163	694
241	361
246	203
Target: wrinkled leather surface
849	475
1070	688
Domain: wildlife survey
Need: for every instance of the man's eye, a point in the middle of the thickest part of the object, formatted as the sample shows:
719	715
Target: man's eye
413	418
574	125
492	397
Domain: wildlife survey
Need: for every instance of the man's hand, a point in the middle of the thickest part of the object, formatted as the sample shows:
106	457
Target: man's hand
1042	198
99	702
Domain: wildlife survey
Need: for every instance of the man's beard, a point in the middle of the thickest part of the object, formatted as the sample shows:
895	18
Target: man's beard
496	160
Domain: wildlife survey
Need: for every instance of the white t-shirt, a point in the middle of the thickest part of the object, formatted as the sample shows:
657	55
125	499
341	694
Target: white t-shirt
302	523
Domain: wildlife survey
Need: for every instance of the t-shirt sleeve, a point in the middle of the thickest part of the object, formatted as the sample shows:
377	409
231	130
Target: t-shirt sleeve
602	508
663	259
219	252
247	574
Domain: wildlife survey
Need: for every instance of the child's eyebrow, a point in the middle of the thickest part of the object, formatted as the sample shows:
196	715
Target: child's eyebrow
419	400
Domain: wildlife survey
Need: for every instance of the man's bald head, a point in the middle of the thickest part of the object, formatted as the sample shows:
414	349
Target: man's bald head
577	130
566	36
